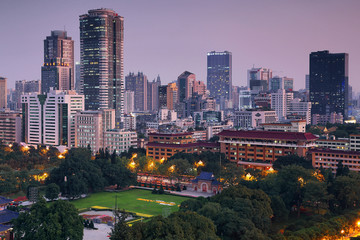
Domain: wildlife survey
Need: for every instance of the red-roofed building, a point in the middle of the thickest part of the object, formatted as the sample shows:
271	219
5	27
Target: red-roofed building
259	149
165	145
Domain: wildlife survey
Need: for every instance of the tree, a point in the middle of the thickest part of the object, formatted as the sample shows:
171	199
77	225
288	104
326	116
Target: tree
341	170
57	222
121	230
232	174
292	160
315	194
52	191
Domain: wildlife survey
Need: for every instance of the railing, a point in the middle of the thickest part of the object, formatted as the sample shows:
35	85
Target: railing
268	143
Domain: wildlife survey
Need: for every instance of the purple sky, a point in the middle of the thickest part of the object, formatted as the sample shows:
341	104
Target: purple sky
167	37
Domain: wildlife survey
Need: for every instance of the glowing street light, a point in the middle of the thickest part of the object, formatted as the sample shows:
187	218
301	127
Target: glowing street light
162	160
199	164
172	168
358	223
10	145
61	156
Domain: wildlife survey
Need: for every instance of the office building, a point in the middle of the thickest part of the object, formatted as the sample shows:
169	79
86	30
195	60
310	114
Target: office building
153	94
57	73
119	140
329	81
253	118
91	126
162	96
185	83
258	79
219	75
3	92
50	119
138	83
102	60
23	87
10	126
78	83
288	84
172	96
129	102
280	102
245	100
296	109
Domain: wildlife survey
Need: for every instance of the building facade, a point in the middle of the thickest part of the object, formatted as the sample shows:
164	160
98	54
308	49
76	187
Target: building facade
293	126
3	92
259	149
57	72
258	79
102	60
219	75
253	119
10	126
138	83
50	119
329	81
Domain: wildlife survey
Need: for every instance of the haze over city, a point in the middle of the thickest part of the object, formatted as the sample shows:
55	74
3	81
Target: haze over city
168	37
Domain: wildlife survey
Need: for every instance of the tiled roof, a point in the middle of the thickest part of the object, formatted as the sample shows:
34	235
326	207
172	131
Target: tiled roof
327	150
185	145
268	135
7	215
4	227
4	200
171	134
206	176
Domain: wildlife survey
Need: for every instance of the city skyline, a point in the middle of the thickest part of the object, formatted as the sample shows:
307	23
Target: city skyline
281	37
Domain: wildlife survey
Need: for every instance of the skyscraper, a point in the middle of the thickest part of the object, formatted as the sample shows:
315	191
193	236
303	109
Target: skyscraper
219	75
138	84
101	59
162	96
58	69
185	83
153	94
329	83
258	78
3	93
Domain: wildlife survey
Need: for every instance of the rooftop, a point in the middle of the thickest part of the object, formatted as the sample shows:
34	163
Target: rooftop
274	135
327	150
7	215
4	200
171	134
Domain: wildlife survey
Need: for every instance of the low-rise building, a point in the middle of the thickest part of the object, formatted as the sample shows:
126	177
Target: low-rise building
259	149
119	140
355	142
293	126
334	144
327	158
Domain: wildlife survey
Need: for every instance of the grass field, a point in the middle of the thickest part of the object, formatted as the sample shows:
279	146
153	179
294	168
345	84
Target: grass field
136	200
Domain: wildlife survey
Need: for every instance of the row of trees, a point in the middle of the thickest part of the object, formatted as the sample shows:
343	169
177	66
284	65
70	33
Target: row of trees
78	174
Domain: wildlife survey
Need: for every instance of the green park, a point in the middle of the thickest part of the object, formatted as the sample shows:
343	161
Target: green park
141	202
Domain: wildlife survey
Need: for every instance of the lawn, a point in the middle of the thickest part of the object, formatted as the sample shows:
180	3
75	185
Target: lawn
135	200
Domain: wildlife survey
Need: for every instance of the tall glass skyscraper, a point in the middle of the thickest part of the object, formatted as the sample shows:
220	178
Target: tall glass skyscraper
101	59
329	81
58	69
219	75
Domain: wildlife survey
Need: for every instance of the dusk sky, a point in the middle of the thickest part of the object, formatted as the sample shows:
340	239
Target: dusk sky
167	37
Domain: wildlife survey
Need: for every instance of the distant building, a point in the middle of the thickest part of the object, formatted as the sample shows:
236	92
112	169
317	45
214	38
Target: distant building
299	110
138	84
162	97
78	83
129	102
57	73
245	100
24	87
129	122
172	96
3	92
253	119
280	101
333	118
334	144
288	84
10	126
185	84
57	126
153	94
219	75
258	79
329	81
